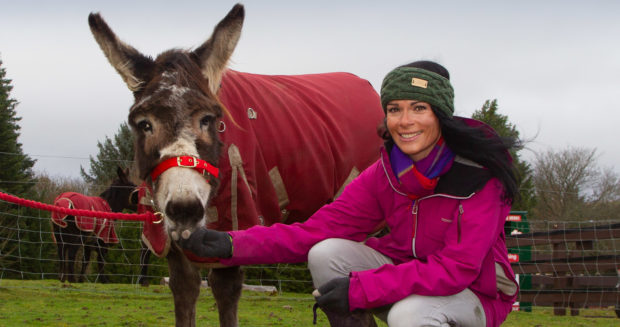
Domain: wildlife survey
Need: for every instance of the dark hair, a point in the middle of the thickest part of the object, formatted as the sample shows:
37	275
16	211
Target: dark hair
480	144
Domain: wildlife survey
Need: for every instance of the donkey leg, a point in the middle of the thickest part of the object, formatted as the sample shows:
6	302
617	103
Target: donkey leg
59	250
145	256
102	251
62	258
72	250
64	243
85	260
226	284
185	286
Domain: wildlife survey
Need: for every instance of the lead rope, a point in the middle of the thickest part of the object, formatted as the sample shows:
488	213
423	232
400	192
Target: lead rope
314	308
148	216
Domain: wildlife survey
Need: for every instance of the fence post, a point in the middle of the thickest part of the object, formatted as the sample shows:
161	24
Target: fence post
516	223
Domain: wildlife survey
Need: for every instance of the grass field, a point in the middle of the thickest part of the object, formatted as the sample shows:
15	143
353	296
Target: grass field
51	303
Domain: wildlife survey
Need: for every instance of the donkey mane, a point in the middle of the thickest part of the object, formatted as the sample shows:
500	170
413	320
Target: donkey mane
184	63
185	69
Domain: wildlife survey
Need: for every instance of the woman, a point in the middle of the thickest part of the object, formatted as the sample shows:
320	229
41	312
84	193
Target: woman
443	186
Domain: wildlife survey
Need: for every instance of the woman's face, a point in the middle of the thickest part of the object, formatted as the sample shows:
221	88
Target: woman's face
413	126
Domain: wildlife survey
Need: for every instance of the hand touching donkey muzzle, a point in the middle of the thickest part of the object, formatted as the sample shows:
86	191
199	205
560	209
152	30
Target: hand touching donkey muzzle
208	243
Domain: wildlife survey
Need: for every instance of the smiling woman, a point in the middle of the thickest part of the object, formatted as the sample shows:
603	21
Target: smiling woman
467	138
413	127
443	185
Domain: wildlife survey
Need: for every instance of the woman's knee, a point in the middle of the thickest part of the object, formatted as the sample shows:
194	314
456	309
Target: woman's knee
321	254
406	313
462	309
324	261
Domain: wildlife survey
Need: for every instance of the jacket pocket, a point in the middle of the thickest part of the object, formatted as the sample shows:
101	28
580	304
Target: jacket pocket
437	227
435	219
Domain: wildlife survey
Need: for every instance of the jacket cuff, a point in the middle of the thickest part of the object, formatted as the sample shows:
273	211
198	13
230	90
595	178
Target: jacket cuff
357	297
230	261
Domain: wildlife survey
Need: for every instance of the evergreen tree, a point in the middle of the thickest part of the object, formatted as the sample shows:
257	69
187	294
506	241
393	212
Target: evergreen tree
16	175
16	178
490	115
112	153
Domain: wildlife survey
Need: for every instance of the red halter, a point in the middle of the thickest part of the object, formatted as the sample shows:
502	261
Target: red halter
197	164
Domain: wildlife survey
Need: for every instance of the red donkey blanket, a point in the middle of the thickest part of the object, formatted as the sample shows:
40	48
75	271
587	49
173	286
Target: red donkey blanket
291	144
101	227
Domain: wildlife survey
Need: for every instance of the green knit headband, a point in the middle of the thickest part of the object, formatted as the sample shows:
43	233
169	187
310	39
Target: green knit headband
408	83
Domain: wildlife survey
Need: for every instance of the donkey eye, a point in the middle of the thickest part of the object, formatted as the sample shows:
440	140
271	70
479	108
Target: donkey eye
145	126
206	120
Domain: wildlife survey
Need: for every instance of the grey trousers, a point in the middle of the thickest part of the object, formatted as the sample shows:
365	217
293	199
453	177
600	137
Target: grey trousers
333	258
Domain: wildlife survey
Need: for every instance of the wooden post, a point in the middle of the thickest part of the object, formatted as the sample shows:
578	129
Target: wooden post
559	251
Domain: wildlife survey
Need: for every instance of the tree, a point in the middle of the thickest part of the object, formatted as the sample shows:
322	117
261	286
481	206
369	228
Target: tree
112	153
489	114
604	201
566	182
16	175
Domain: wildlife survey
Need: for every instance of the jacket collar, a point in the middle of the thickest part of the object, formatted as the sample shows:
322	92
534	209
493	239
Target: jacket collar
462	180
389	172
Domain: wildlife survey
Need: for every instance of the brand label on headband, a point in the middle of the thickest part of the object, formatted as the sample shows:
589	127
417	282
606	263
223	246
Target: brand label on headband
419	82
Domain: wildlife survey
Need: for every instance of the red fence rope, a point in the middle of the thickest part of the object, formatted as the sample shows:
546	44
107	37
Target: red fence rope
148	216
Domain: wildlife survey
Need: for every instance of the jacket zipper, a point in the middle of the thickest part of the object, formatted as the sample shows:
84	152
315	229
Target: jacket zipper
414	213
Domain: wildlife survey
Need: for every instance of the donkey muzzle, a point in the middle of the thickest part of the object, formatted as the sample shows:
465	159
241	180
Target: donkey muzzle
186	215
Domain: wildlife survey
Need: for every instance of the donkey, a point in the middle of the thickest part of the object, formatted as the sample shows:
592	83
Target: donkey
93	234
230	150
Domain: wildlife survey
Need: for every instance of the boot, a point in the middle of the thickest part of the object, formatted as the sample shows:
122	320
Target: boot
357	318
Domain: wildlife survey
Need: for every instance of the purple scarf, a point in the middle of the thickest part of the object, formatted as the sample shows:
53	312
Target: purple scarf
419	178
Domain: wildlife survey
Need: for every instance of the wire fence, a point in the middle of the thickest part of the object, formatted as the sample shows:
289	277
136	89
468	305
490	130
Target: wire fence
559	261
28	250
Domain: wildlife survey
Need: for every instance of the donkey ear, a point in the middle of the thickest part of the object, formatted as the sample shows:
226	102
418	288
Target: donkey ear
213	55
133	66
122	174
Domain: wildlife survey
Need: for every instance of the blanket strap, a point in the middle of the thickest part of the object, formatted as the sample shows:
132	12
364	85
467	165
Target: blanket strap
278	185
236	163
352	175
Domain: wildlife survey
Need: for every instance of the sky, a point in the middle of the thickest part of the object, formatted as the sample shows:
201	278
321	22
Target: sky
552	65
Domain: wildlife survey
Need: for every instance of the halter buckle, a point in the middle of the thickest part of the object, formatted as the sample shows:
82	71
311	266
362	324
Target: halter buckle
186	161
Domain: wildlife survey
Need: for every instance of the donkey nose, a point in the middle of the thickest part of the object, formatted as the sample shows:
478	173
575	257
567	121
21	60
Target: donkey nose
185	212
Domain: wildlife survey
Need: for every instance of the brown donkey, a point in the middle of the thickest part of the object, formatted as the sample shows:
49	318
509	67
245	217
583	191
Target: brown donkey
92	234
284	146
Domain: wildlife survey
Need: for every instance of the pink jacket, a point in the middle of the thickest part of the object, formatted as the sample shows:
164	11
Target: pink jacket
440	244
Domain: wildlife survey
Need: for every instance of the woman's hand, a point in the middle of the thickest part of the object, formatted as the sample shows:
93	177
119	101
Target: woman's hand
208	243
334	295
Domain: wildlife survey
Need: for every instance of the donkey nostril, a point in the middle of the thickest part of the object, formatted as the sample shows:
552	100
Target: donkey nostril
185	211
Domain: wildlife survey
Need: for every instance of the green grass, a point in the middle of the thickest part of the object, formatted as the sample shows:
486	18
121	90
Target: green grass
51	303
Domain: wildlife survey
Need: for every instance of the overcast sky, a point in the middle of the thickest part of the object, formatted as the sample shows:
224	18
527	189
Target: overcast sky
552	65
